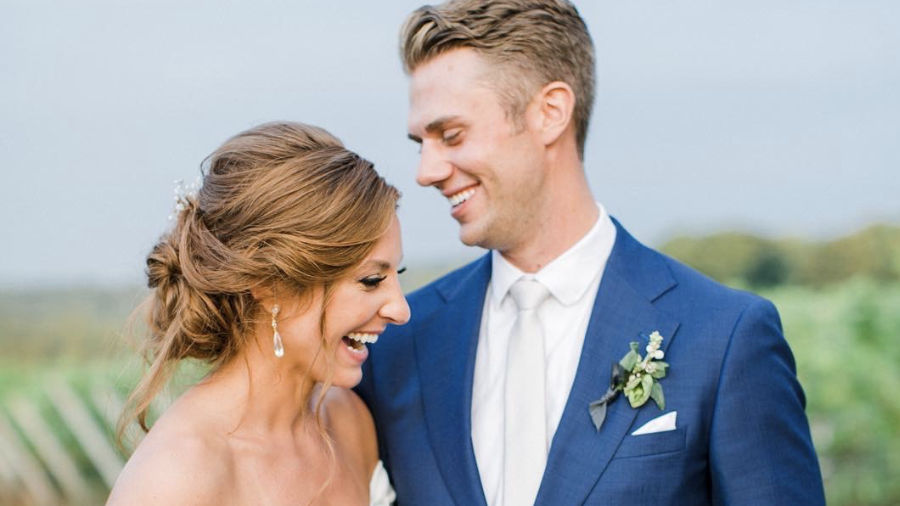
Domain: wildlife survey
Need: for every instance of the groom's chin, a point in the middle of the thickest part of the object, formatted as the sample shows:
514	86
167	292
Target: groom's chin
471	235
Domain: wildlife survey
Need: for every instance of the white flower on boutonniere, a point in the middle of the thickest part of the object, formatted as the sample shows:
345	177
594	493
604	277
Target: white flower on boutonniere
638	377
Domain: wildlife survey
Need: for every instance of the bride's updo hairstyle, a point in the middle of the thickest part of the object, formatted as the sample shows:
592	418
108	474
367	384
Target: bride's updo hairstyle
282	205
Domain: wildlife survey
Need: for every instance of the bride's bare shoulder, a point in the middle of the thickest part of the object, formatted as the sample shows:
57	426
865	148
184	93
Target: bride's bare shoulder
176	463
351	423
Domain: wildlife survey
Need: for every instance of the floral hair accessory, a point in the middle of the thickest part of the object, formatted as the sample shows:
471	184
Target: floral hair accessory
638	377
184	194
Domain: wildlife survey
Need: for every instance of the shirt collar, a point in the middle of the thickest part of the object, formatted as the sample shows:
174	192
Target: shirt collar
569	275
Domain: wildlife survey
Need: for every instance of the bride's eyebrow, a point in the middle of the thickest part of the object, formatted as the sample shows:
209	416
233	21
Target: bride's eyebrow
381	265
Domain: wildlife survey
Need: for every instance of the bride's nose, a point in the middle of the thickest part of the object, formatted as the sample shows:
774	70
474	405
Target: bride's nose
395	310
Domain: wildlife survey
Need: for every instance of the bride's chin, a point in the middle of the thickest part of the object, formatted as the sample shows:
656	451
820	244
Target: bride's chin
347	378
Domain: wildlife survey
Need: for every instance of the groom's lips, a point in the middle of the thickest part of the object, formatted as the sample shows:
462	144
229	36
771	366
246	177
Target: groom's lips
458	197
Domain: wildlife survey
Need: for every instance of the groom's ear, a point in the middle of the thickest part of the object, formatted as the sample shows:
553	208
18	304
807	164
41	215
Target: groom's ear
556	101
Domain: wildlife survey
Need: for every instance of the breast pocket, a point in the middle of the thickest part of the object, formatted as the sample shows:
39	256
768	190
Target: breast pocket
651	444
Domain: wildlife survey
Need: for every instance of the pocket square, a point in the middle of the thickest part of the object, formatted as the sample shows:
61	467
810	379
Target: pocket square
659	424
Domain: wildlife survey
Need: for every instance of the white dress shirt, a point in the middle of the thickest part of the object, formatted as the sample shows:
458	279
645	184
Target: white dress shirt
573	279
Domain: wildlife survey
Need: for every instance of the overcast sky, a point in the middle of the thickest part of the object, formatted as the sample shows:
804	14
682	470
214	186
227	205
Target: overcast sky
780	117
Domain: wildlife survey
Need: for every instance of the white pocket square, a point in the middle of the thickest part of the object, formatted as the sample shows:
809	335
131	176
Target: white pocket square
659	424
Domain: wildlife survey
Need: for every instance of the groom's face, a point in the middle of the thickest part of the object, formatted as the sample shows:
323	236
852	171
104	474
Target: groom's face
485	163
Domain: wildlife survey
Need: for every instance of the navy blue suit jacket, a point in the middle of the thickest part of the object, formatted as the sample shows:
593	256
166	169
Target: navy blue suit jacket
742	436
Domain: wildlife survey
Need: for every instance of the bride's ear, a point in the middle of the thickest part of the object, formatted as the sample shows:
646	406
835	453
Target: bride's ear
264	296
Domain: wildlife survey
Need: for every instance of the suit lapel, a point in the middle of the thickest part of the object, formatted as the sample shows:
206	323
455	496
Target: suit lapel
445	353
623	311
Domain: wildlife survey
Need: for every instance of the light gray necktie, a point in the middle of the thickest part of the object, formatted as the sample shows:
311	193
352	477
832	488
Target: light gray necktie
525	428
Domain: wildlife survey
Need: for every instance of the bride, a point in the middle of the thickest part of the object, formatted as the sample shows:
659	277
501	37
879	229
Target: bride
277	273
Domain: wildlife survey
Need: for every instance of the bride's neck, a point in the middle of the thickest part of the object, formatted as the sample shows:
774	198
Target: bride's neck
263	392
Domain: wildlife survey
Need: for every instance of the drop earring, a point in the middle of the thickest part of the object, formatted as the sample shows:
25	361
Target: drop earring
276	337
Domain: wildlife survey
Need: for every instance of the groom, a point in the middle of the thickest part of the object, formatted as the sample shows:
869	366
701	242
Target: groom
483	398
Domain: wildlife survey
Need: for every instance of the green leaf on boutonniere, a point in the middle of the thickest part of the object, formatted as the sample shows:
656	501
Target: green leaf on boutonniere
639	391
632	358
656	394
658	370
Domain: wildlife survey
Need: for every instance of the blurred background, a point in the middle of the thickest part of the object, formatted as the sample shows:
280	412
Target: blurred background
754	140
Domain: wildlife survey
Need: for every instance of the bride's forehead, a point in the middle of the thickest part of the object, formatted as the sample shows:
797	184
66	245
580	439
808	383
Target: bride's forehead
389	248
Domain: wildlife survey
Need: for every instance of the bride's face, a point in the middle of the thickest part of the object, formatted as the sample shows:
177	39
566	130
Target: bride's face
359	309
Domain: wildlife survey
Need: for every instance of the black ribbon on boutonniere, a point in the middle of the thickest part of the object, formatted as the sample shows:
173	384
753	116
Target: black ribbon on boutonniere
598	407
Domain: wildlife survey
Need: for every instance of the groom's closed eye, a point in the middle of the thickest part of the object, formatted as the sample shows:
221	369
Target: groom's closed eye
452	137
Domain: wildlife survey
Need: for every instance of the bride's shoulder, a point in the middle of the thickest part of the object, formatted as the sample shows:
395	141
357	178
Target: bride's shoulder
175	463
350	422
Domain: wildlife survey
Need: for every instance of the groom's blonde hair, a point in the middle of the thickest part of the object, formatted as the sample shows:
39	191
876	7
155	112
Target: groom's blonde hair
531	42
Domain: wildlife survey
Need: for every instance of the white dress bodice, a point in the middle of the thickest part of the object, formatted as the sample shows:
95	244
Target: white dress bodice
380	491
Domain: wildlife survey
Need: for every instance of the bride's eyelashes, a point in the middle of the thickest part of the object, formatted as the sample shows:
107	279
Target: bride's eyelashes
372	281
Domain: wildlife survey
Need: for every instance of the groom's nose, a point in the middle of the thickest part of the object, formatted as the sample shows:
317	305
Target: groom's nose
433	168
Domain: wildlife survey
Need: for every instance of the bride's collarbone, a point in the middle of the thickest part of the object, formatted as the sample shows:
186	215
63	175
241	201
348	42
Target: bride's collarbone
297	473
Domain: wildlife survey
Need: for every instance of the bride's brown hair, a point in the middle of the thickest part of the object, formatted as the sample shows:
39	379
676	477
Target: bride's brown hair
282	204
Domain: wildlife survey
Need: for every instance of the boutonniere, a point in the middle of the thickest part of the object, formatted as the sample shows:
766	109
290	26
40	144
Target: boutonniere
638	377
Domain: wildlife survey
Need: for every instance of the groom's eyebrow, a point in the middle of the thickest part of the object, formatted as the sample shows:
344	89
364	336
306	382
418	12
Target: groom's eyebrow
437	125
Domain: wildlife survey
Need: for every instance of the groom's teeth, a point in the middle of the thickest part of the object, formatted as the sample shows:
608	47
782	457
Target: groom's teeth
461	197
363	337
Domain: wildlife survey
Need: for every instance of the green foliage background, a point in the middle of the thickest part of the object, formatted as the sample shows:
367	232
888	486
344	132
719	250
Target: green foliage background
839	302
846	341
759	262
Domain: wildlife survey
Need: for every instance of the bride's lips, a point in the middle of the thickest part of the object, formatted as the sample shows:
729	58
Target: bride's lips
354	344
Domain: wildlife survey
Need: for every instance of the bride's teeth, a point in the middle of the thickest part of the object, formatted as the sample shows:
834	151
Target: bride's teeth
461	197
363	337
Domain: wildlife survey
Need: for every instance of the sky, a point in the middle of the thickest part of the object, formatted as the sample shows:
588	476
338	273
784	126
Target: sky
776	117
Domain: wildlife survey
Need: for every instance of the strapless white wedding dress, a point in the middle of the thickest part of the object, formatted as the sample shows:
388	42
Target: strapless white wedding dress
380	491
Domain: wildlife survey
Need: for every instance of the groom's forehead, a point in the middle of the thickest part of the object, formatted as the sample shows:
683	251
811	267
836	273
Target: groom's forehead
451	73
440	92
